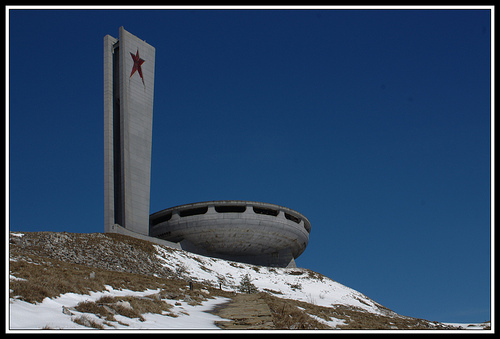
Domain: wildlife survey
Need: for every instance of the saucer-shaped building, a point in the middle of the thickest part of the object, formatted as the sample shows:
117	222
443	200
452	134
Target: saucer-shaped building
244	231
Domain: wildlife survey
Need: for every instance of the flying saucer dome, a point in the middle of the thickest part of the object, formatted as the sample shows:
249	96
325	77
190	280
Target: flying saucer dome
245	231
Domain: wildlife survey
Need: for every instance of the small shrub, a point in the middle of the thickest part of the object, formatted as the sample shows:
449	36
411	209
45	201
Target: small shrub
246	285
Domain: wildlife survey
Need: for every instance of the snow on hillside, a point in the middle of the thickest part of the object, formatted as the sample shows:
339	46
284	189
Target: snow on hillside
291	283
49	315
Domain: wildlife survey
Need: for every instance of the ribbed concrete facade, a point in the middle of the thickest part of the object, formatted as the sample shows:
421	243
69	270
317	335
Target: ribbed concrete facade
245	231
129	65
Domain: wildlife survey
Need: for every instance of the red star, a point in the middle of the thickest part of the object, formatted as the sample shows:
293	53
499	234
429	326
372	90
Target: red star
137	65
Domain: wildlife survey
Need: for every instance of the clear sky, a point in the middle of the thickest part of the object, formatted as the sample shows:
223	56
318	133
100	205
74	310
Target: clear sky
374	124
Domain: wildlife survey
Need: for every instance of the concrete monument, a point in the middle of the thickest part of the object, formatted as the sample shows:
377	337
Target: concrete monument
245	231
129	65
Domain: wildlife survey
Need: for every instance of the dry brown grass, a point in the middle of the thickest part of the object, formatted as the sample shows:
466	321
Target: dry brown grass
287	314
49	277
83	320
106	307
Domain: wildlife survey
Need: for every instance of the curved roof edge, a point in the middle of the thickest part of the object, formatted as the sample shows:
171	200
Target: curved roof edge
230	202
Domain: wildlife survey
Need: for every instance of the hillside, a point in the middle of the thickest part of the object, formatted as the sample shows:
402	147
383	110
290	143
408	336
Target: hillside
108	281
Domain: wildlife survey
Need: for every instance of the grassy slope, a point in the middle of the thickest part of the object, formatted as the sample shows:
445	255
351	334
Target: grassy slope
43	275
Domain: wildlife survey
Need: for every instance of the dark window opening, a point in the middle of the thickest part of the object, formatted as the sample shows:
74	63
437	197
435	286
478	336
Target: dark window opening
117	157
164	235
193	211
266	211
292	218
230	209
161	219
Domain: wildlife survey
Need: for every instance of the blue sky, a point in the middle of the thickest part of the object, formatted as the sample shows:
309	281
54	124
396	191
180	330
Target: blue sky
375	124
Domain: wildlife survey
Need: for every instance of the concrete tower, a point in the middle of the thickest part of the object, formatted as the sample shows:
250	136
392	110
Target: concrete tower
129	65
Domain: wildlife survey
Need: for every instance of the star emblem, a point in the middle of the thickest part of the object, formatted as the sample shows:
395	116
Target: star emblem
137	64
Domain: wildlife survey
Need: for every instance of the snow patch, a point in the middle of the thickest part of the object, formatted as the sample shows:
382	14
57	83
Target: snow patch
291	283
11	277
48	313
333	322
470	326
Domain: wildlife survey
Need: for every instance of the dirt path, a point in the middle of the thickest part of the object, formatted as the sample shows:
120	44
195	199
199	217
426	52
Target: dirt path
246	311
